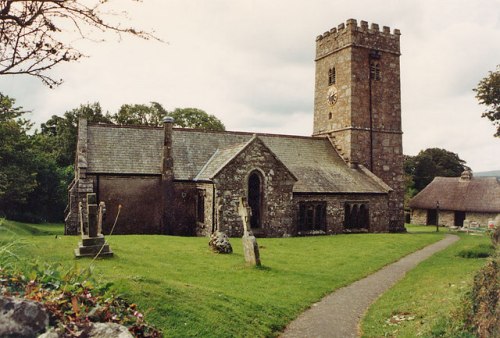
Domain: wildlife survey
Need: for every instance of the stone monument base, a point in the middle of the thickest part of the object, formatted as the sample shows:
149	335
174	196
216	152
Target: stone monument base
91	246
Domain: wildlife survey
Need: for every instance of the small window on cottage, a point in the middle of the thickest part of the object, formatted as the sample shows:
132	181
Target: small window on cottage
330	115
375	70
312	216
200	206
332	76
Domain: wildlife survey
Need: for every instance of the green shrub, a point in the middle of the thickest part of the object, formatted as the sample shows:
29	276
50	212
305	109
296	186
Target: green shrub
478	251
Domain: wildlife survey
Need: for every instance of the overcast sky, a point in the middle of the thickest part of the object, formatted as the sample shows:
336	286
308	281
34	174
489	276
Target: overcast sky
250	63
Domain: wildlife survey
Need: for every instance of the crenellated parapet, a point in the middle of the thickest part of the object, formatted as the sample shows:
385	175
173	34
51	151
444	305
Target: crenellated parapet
351	34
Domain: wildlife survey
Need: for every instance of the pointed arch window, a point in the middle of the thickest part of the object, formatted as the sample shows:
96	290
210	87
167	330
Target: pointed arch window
255	196
356	216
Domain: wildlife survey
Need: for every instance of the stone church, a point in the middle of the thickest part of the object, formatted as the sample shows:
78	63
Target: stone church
346	177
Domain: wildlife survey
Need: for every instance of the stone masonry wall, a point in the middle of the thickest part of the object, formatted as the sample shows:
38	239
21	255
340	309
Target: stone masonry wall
232	183
365	121
447	218
378	210
205	228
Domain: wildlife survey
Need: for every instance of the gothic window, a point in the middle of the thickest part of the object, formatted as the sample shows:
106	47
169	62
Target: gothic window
255	198
312	216
200	206
331	76
356	216
375	70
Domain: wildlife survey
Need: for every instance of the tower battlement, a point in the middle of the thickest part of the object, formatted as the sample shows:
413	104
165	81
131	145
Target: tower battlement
362	35
357	101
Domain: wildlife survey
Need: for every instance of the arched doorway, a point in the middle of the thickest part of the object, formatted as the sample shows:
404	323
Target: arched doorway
255	199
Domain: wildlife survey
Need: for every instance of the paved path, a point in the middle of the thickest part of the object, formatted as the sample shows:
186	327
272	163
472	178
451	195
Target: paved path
338	314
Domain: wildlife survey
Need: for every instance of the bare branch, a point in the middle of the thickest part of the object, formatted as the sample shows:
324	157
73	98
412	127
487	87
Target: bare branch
31	39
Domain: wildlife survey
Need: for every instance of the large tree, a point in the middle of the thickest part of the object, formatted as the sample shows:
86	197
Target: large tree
196	118
17	179
32	185
153	115
488	94
140	114
428	164
59	133
36	35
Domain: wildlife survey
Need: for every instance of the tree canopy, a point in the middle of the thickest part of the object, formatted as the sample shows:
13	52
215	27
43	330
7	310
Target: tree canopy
60	132
153	115
430	163
31	35
32	185
488	94
195	118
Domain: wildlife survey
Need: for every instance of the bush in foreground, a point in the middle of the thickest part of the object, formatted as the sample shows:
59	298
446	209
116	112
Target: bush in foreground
73	301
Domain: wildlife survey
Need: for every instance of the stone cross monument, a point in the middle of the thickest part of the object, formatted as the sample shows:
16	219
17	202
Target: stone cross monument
250	246
93	242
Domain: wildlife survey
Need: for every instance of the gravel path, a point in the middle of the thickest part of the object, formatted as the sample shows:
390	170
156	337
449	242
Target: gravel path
339	314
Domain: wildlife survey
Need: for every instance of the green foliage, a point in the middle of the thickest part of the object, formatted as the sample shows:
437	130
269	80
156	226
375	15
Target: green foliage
32	185
195	118
59	134
420	170
140	114
488	94
73	298
153	115
484	311
478	251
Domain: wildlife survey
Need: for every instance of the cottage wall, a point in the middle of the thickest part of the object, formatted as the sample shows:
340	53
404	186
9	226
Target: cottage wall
232	183
419	216
482	219
447	218
377	206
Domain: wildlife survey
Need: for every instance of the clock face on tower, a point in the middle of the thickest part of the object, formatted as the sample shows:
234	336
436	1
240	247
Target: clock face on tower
332	95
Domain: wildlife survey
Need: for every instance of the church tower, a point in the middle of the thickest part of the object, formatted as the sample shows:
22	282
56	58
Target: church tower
357	102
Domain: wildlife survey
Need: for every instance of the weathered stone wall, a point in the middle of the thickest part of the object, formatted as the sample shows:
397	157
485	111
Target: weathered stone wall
482	218
205	228
78	193
232	183
141	201
365	121
447	218
419	217
378	211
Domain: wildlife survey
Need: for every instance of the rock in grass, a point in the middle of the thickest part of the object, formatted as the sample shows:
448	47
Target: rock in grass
21	318
219	242
95	330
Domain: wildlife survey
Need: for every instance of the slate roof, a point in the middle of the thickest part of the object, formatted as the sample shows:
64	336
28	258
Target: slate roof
480	194
198	154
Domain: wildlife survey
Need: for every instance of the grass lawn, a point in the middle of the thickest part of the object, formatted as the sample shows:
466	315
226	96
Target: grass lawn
186	290
425	300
